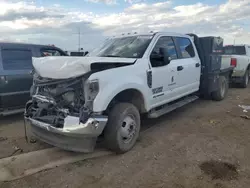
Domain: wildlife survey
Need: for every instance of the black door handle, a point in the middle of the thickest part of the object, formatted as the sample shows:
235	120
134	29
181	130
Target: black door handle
197	65
179	68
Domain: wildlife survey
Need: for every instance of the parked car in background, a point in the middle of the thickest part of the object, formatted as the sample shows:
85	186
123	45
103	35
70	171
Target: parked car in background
15	69
238	56
77	53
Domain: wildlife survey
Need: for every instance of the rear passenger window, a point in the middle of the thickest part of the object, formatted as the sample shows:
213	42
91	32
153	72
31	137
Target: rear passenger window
186	47
14	59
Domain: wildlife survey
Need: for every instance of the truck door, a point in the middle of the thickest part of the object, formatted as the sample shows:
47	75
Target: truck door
188	68
16	79
163	76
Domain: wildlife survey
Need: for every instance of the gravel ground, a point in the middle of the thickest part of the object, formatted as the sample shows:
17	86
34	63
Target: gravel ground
203	145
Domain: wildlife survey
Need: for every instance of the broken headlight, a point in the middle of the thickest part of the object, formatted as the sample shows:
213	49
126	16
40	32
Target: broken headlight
91	90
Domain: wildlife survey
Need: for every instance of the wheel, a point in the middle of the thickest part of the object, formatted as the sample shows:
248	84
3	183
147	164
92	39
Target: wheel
245	80
222	91
123	128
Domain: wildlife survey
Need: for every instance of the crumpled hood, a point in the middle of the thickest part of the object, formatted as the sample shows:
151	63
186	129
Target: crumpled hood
64	67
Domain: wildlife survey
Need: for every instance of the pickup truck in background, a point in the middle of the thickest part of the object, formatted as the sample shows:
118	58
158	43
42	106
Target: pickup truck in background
237	56
15	73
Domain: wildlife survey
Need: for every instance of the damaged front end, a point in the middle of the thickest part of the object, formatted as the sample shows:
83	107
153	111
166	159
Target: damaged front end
60	113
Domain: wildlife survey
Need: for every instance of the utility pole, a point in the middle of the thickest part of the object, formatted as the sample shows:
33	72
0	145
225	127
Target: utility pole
79	39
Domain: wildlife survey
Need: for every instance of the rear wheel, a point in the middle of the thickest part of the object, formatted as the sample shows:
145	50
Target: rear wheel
245	80
222	91
123	128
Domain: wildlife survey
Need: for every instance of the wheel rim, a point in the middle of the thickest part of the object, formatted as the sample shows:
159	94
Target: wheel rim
223	88
128	128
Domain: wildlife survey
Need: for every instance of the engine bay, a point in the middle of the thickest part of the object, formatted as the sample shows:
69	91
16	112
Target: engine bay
54	100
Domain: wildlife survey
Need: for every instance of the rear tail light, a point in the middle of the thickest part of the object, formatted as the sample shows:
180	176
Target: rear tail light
233	62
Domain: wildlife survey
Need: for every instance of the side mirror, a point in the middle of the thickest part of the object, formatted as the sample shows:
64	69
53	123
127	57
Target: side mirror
156	57
165	55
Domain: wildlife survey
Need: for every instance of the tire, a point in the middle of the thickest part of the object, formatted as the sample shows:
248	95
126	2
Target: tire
245	80
222	91
123	128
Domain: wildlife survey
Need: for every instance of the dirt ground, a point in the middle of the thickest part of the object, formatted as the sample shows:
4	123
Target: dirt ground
203	145
12	139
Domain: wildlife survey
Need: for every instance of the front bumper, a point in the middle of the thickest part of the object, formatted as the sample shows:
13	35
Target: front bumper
74	136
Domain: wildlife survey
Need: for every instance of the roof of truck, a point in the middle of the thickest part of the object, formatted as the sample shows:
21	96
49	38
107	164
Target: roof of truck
24	44
150	34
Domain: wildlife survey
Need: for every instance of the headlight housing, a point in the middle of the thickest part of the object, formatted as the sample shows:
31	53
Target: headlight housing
91	89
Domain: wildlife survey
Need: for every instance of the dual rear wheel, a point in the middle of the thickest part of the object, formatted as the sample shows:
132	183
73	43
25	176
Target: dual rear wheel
221	93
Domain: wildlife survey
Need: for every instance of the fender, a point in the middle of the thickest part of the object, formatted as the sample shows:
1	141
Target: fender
242	65
107	93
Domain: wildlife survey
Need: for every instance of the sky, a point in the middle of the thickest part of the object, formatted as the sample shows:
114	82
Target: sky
59	22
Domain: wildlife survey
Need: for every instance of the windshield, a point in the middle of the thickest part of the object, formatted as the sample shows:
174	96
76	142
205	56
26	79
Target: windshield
126	47
234	50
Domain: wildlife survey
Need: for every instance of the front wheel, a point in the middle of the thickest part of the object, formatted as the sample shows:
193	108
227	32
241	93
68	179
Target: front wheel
123	128
222	90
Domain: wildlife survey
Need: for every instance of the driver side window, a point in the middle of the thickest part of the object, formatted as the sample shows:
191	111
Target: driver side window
168	44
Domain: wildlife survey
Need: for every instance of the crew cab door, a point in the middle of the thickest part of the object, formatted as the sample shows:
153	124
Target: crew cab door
163	75
188	68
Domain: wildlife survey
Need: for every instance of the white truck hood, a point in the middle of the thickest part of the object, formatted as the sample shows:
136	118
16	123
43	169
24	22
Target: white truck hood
63	67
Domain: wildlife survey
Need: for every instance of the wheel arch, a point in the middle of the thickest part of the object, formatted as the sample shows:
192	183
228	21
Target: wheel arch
131	95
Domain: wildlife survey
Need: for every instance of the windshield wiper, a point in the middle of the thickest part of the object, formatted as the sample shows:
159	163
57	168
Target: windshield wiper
111	56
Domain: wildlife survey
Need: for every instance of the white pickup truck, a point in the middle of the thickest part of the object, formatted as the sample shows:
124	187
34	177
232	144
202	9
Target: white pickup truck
237	56
76	100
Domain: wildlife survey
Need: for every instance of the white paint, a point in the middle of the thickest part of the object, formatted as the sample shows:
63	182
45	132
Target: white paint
114	81
63	67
